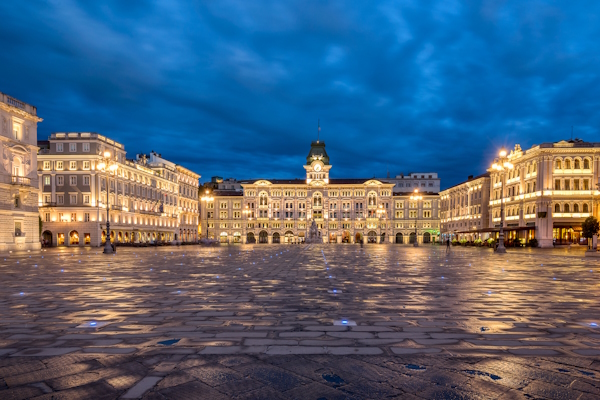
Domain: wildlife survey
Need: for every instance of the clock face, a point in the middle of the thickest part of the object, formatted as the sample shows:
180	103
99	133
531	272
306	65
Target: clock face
318	167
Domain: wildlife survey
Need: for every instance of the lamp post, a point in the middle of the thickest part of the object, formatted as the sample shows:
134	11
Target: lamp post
416	197
206	198
246	214
109	167
502	165
380	214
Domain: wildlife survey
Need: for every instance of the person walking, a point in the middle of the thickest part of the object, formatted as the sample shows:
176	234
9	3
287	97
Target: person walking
447	245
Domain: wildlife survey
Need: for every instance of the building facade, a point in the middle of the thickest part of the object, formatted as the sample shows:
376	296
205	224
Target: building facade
18	179
75	191
550	191
464	209
344	210
424	181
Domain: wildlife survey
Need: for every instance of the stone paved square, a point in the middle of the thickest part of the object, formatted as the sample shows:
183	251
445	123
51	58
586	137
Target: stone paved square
299	321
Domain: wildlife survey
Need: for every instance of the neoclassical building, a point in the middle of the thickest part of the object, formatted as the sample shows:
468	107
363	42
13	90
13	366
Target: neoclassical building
550	191
344	210
145	196
19	220
464	209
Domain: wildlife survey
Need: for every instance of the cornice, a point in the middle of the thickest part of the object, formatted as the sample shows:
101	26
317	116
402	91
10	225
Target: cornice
19	112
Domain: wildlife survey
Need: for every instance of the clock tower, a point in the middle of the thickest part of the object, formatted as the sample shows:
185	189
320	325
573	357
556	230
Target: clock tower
317	164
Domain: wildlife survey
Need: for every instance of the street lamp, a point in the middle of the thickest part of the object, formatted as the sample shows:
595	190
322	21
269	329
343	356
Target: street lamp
502	165
207	199
109	167
416	197
247	213
380	214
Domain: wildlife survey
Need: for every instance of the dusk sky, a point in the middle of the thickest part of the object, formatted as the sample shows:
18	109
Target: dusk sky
235	87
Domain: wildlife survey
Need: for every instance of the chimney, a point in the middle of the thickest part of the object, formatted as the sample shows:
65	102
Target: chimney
470	177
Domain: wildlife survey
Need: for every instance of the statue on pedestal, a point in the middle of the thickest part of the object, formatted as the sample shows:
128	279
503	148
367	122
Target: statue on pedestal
313	234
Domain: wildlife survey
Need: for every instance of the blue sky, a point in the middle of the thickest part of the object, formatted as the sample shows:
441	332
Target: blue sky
235	87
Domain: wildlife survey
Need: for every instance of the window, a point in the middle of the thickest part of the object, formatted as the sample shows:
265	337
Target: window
47	198
73	217
567	184
86	180
73	199
47	217
46	165
86	147
72	147
73	180
60	180
86	199
586	164
17	201
585	208
567	208
59	165
557	184
576	208
60	199
86	217
567	164
86	165
17	131
576	184
46	180
586	184
577	164
558	164
59	147
223	204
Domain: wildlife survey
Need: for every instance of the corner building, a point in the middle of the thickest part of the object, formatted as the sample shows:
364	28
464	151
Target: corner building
344	210
19	222
143	194
551	190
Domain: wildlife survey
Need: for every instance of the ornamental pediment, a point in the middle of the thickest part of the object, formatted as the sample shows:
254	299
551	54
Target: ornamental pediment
373	182
317	183
263	182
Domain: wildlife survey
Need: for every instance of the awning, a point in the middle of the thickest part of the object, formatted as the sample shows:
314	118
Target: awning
490	230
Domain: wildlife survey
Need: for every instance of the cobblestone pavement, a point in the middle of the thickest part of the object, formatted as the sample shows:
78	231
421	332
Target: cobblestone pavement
305	322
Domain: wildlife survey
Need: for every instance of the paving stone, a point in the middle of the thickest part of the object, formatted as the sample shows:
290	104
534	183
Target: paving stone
214	375
193	390
278	378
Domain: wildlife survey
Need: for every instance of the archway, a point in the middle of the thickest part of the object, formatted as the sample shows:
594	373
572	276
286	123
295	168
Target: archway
372	237
103	237
120	237
289	237
276	238
412	237
333	237
426	237
47	239
345	237
382	237
223	237
399	238
73	238
358	237
263	237
60	239
250	238
237	237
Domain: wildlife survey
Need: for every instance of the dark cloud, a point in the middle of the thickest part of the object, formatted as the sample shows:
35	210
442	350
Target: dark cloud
235	87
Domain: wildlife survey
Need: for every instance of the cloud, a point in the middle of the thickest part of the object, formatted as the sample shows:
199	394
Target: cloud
235	88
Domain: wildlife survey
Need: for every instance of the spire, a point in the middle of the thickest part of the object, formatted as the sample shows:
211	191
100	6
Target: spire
318	129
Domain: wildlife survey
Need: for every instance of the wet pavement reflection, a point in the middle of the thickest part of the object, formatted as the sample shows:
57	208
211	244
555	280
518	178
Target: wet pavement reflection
317	321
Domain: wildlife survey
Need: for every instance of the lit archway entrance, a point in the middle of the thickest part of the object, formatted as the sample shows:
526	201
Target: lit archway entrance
412	238
223	237
372	237
237	237
120	237
73	238
358	237
250	238
399	238
289	237
345	237
47	238
426	237
276	238
263	237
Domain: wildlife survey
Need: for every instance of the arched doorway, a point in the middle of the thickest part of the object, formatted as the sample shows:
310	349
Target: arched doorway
382	238
333	237
263	237
250	238
237	237
345	237
372	237
223	237
399	238
60	239
289	237
426	237
276	238
358	237
103	237
47	239
120	237
73	238
412	237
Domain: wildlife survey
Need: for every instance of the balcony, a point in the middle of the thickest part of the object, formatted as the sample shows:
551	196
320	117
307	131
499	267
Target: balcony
49	204
20	180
